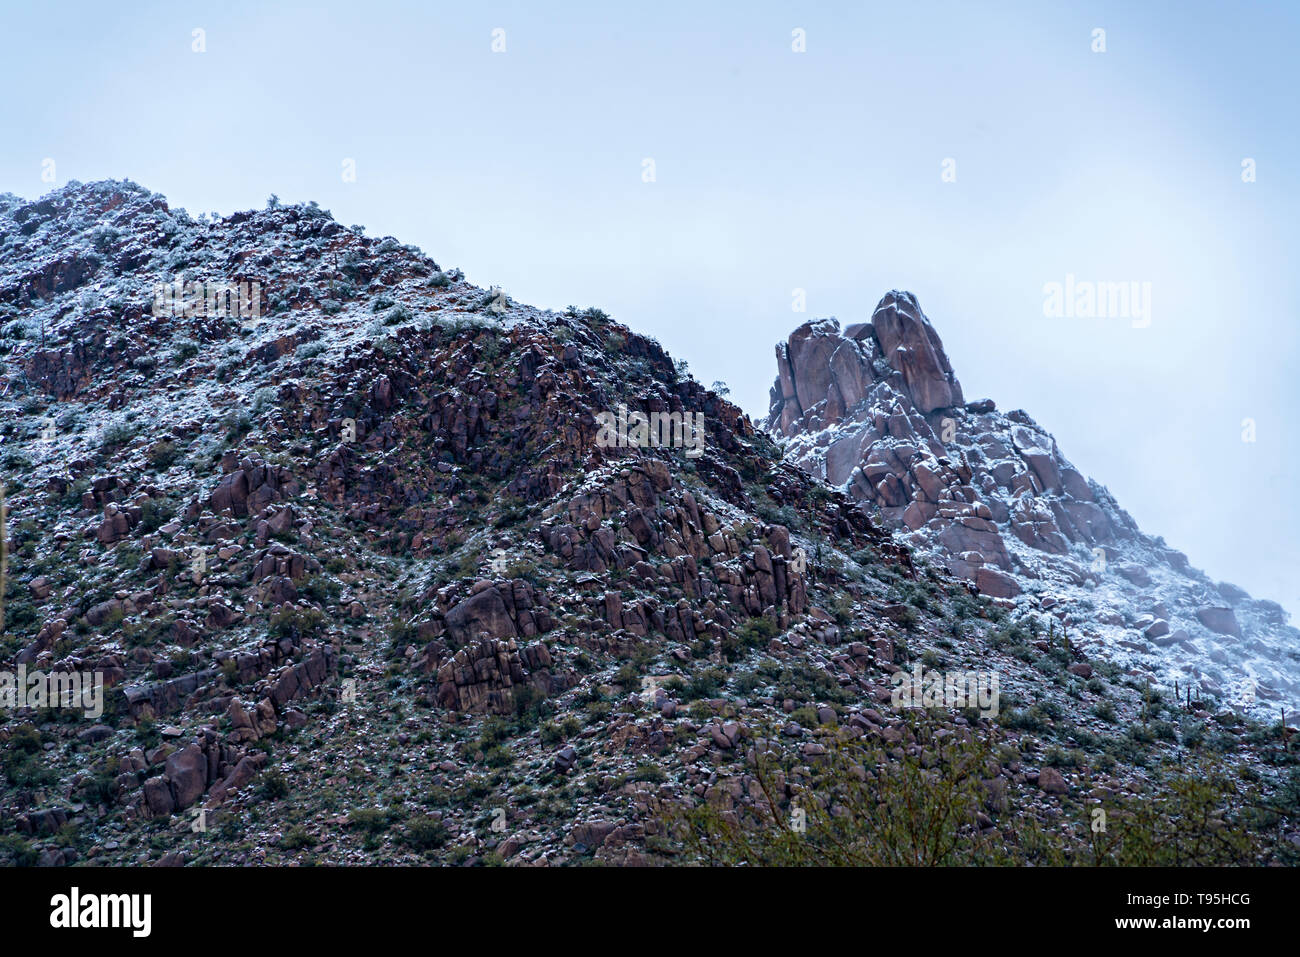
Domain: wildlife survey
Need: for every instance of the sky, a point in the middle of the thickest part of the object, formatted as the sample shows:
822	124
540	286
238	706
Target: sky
687	169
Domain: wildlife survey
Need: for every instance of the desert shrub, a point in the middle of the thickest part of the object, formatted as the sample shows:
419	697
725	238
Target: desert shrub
806	716
757	632
162	454
297	838
860	805
425	833
372	820
1193	818
856	807
1029	719
1193	733
15	851
704	684
117	434
155	513
842	609
804	682
320	589
397	315
274	785
550	733
237	425
290	621
263	399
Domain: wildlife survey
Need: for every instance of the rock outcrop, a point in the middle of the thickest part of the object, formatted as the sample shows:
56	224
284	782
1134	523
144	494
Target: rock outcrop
876	410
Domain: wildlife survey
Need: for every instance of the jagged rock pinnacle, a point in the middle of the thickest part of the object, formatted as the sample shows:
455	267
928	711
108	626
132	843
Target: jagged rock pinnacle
877	411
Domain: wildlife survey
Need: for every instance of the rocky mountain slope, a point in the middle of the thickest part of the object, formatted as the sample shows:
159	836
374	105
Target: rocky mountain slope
876	410
365	584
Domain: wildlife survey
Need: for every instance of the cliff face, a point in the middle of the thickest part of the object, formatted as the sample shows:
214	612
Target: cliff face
877	411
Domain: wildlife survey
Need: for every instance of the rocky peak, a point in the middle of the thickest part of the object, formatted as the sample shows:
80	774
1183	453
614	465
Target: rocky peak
823	373
912	347
875	410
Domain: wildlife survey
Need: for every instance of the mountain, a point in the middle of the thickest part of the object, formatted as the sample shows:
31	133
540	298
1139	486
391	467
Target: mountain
378	566
876	411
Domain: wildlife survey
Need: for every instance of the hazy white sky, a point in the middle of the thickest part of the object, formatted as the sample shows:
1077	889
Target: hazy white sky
777	170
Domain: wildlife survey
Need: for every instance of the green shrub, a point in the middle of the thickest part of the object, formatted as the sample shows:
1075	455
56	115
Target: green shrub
292	621
117	434
425	833
274	785
297	838
704	684
861	806
155	513
371	820
16	851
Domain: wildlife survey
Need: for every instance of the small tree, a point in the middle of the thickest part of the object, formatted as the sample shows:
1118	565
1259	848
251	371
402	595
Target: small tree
855	805
860	801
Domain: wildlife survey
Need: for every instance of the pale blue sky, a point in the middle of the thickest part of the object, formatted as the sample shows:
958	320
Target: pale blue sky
777	170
